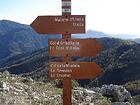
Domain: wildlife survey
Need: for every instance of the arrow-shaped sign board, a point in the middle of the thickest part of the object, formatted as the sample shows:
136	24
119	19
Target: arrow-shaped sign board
70	24
74	70
74	47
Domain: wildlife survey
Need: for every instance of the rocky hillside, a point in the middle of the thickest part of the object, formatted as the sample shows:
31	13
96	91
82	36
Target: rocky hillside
16	90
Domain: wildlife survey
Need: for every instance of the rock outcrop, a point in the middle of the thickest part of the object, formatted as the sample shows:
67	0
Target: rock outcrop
16	90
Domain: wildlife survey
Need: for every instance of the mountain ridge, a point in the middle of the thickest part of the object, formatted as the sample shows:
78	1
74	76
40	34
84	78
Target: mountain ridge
117	57
17	38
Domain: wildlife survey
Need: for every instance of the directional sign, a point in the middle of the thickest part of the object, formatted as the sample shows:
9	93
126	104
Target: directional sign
74	70
74	47
70	24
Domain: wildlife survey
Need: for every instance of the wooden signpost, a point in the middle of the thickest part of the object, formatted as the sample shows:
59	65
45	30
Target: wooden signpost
74	70
59	24
66	47
74	47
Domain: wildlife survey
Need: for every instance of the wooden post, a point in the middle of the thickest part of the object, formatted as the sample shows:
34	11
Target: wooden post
67	84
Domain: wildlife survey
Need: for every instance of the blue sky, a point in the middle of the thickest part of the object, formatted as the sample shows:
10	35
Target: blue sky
108	16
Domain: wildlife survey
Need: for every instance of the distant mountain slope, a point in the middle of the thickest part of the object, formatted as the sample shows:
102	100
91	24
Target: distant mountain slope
90	34
121	64
24	63
17	38
6	26
137	40
120	60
